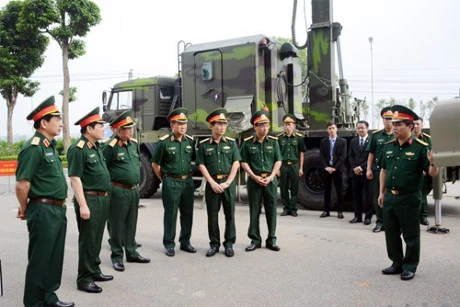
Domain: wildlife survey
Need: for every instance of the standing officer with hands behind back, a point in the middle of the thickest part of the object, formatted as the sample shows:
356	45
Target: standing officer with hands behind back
171	163
90	181
218	160
404	159
123	161
41	190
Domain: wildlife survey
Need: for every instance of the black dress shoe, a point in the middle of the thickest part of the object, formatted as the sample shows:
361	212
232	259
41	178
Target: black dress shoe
340	215
118	266
285	212
424	221
407	275
377	228
324	214
252	247
102	277
356	220
229	252
170	252
139	259
367	221
273	247
90	288
188	249
212	251
62	304
294	213
392	270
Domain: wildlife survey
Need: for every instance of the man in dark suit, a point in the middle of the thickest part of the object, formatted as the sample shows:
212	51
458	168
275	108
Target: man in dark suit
357	156
333	153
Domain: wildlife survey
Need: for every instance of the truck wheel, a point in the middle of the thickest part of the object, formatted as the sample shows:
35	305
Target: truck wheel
149	181
311	185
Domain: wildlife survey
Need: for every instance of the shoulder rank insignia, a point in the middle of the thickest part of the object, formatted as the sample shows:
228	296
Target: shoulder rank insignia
427	135
278	135
298	134
164	137
35	141
205	140
113	142
80	144
273	137
248	138
189	136
422	142
105	140
377	131
391	141
46	142
133	140
231	139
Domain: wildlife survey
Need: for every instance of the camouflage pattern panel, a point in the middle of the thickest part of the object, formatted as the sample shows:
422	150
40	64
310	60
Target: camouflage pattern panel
321	66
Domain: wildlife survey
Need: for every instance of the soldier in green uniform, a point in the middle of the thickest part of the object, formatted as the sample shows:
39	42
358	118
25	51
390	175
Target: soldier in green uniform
292	149
218	160
374	147
90	181
171	162
418	126
122	156
261	159
403	162
41	190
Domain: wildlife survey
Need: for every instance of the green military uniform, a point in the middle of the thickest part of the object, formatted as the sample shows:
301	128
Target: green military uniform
87	162
123	162
175	158
218	158
261	158
40	165
291	147
375	146
404	165
424	184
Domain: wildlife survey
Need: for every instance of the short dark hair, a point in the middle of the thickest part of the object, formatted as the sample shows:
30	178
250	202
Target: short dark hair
363	122
420	119
85	128
46	118
330	124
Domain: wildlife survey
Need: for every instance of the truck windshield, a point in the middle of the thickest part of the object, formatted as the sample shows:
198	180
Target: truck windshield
121	100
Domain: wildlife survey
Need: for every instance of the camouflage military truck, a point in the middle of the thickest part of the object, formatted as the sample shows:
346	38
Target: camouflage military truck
244	75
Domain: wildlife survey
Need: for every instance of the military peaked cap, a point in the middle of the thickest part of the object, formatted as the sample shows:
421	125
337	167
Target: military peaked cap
91	117
218	115
43	109
401	113
178	115
124	120
260	116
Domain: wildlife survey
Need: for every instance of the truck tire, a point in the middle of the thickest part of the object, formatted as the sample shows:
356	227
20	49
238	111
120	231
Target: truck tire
149	181
311	185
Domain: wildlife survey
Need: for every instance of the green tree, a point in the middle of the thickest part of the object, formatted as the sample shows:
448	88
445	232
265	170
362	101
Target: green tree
21	53
65	21
72	94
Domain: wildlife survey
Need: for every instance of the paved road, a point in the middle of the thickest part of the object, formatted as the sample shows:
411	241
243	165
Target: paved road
322	262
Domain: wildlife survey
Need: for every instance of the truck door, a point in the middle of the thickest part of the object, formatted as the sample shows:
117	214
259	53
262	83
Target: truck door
208	81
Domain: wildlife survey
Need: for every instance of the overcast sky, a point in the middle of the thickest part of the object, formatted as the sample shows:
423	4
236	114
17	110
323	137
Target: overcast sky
416	49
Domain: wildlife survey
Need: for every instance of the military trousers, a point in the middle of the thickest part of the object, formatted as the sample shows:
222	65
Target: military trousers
401	216
424	201
289	182
123	213
256	195
90	236
177	195
376	192
214	201
47	226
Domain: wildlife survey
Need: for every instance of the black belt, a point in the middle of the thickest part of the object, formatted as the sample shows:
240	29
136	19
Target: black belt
399	192
47	201
175	176
220	176
264	175
96	193
289	162
124	186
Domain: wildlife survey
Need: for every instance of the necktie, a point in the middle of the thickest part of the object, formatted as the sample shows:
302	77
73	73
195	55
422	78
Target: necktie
331	162
361	142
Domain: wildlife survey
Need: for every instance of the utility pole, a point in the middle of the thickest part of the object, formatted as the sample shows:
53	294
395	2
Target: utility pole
371	39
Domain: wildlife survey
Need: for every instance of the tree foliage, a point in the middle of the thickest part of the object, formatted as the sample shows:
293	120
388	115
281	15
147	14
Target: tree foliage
422	108
21	53
66	21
